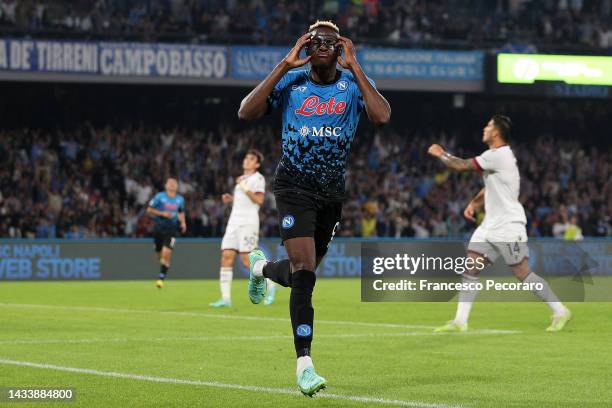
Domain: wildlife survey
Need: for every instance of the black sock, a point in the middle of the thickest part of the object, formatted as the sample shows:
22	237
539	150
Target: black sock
163	271
279	272
300	308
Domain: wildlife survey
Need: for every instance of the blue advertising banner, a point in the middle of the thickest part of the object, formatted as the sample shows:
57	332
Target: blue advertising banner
100	259
114	59
422	64
255	62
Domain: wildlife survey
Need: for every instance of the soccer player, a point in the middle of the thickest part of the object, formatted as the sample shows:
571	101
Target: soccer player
242	231
502	231
168	210
320	111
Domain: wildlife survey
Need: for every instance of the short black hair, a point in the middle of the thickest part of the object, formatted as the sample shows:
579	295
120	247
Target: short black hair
504	124
257	154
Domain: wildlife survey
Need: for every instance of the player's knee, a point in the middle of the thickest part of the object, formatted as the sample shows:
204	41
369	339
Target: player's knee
303	281
303	264
227	258
521	271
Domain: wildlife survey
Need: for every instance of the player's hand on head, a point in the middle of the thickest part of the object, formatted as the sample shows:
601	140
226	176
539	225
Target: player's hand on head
435	150
226	198
348	59
292	59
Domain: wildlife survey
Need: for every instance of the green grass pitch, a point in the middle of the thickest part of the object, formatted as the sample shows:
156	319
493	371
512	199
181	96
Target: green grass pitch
127	344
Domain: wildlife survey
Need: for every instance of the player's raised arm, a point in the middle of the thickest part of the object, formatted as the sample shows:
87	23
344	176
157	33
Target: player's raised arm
255	104
376	106
450	161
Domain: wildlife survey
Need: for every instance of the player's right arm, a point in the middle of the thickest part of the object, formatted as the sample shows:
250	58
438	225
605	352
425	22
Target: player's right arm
152	211
255	104
474	205
450	161
227	198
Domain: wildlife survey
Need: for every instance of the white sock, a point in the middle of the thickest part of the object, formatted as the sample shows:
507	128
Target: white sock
258	267
303	363
546	294
225	281
271	284
466	299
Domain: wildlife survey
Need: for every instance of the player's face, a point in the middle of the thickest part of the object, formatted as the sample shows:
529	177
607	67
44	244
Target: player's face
171	186
250	162
488	131
324	47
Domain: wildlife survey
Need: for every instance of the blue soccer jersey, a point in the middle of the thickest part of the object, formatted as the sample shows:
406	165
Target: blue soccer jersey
174	205
319	124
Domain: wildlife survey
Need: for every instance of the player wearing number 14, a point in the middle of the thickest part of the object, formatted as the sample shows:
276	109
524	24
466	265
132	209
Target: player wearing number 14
502	232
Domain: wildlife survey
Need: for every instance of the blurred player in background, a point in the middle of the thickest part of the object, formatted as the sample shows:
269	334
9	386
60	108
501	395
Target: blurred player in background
502	231
168	210
242	231
320	112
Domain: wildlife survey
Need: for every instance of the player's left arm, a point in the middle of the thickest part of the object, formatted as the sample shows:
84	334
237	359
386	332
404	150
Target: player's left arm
376	106
181	217
450	161
256	196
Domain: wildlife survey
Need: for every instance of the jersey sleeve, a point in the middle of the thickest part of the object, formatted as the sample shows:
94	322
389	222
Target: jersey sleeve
258	185
486	161
181	206
278	97
154	203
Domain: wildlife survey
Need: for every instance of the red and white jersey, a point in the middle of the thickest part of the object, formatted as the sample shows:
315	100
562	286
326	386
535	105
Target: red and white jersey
244	210
502	187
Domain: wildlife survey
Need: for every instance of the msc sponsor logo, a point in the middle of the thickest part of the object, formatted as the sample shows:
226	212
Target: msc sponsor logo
314	106
321	131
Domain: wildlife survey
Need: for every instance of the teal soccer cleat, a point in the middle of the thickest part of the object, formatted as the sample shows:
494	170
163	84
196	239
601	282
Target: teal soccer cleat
257	284
310	382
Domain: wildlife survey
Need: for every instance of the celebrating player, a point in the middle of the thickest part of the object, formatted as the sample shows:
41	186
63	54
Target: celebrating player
502	231
242	232
168	210
320	111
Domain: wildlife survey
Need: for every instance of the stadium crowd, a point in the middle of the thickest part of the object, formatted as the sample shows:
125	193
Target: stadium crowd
97	181
467	23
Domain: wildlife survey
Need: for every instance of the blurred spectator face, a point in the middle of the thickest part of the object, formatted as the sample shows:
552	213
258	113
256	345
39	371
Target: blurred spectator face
171	186
250	162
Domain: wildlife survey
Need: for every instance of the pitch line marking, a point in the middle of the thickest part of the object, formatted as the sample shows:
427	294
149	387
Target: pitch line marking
224	338
214	384
240	317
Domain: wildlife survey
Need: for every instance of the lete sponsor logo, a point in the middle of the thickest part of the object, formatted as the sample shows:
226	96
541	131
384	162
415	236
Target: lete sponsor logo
314	106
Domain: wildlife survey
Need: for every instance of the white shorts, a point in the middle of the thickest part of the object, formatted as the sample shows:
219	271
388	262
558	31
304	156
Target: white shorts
241	238
509	241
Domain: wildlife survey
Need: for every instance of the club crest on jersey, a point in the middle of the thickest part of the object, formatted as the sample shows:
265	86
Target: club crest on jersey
342	85
288	221
314	106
